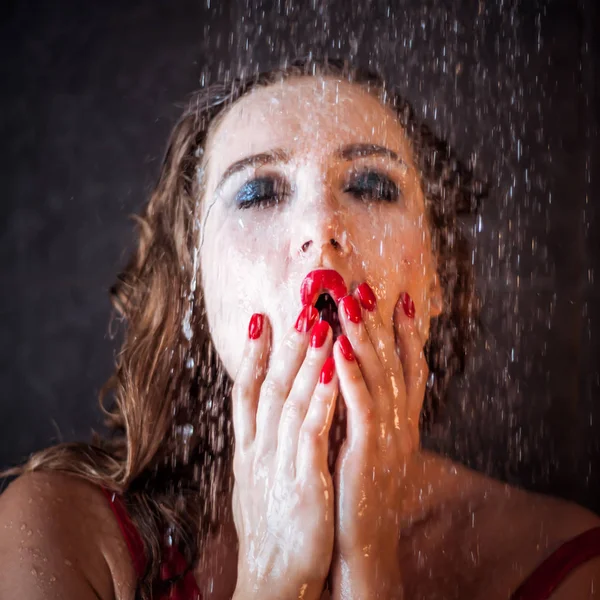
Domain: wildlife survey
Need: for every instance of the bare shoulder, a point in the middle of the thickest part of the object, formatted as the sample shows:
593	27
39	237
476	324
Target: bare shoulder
59	539
551	520
524	528
504	533
559	521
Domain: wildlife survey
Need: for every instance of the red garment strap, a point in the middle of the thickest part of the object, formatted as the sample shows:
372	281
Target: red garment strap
130	533
551	573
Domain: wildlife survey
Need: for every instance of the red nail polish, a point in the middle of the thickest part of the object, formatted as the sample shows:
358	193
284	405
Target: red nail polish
327	371
306	319
408	305
366	296
346	348
319	334
255	326
352	308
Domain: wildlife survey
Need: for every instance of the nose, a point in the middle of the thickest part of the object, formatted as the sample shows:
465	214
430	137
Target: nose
332	242
320	228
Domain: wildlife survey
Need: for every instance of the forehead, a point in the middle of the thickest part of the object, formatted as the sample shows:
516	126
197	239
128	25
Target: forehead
310	116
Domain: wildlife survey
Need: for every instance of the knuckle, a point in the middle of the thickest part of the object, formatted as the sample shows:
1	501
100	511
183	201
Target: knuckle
362	337
293	341
292	412
261	464
310	435
272	388
368	415
369	419
313	358
257	363
390	371
422	370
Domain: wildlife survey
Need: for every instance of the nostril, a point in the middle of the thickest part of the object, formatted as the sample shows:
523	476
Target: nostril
332	241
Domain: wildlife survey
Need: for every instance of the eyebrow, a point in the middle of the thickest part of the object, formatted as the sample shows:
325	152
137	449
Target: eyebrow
347	153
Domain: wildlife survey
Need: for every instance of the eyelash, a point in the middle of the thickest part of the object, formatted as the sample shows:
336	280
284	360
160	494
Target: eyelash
385	189
254	193
267	191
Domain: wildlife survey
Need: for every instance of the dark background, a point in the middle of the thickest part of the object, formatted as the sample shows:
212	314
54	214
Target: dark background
90	91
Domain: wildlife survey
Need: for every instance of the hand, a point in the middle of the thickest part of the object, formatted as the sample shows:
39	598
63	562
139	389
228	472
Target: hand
283	493
383	402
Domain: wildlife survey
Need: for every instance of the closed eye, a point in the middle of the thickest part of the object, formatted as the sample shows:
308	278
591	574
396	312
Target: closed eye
266	191
372	185
262	191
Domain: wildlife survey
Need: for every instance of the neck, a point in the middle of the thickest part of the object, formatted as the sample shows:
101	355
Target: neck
432	482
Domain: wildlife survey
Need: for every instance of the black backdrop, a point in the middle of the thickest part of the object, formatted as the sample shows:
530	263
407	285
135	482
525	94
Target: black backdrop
91	89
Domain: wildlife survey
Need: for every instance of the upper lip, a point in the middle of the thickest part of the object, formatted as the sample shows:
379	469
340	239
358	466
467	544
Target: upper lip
319	281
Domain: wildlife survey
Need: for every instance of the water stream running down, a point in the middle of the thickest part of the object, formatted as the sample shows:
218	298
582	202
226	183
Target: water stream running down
509	85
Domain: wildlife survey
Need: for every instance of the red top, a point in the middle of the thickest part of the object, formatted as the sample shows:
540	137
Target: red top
173	563
551	573
538	586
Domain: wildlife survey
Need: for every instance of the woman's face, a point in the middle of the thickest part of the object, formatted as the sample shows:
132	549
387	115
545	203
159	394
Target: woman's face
308	174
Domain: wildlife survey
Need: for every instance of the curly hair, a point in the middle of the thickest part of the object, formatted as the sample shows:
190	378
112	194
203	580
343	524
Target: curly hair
170	450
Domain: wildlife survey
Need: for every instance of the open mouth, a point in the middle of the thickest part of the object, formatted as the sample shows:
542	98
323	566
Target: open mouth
324	288
319	281
328	311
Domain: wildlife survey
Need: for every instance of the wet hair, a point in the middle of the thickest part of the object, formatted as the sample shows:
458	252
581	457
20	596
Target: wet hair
170	449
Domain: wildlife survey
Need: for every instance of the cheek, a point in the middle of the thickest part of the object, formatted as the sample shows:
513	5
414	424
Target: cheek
237	266
398	261
398	248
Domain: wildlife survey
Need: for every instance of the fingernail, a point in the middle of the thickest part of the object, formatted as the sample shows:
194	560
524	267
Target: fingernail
306	319
327	371
352	308
319	334
366	296
408	305
255	326
346	348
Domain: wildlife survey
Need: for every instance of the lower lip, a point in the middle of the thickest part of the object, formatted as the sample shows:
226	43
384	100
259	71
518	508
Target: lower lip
322	280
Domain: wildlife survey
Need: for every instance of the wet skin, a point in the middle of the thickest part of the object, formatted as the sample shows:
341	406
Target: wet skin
423	524
339	191
333	185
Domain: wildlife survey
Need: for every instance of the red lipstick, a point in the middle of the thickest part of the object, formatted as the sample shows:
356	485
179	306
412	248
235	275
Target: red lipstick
322	280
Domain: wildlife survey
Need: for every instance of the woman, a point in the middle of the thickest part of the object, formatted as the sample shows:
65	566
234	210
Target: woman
300	284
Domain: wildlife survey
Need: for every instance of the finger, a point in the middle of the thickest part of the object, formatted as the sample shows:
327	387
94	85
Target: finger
362	420
248	381
373	372
296	406
314	433
237	517
383	341
283	369
410	349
